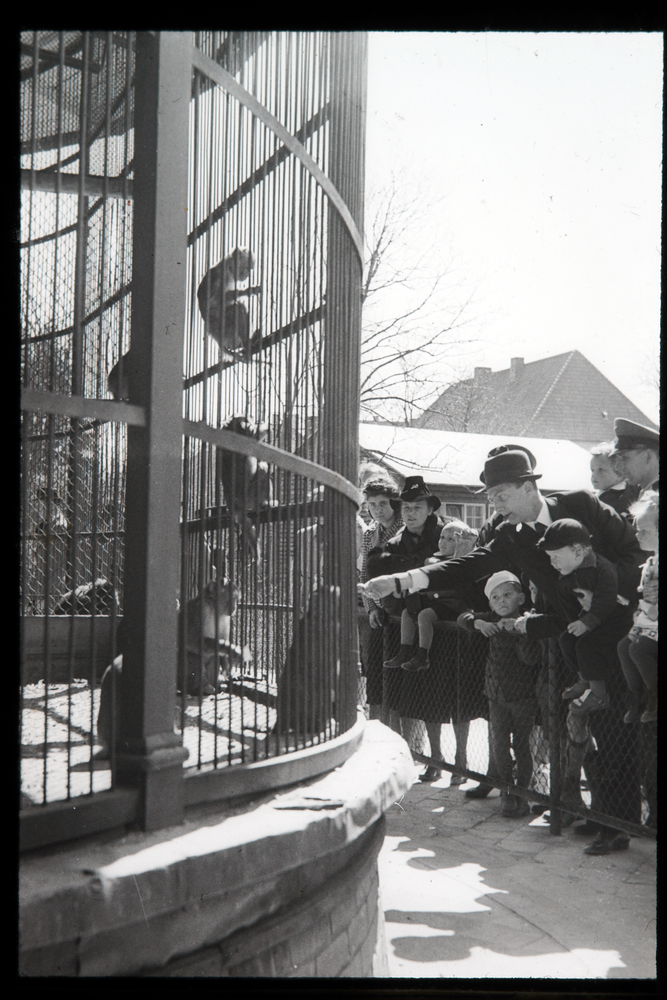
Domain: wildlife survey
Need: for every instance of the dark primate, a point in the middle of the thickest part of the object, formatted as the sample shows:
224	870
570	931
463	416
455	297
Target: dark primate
121	376
207	656
245	481
208	650
225	318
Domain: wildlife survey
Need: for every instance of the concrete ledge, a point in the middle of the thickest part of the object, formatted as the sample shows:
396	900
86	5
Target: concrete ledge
139	902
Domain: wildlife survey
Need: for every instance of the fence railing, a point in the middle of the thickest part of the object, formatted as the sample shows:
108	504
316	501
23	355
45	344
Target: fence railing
595	767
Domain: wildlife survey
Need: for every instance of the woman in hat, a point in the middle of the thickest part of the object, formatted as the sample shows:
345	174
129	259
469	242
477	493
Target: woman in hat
420	695
381	494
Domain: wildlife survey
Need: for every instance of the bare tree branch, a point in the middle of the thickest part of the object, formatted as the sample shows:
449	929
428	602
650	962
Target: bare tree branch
414	311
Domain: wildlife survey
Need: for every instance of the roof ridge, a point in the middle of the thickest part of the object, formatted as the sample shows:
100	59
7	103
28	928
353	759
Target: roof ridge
548	392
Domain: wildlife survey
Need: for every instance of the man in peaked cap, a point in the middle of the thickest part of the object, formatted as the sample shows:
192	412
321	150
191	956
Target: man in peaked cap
522	516
637	453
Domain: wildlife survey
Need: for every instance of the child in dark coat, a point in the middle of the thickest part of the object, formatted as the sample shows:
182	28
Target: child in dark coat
588	596
426	607
509	684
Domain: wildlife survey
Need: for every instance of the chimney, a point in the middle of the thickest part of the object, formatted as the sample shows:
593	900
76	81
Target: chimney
479	374
516	367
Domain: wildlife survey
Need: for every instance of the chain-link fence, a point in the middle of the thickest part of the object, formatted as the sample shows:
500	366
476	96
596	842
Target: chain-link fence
535	748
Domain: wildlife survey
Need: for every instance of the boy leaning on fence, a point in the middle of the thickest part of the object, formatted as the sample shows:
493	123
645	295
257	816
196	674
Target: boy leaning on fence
588	595
509	684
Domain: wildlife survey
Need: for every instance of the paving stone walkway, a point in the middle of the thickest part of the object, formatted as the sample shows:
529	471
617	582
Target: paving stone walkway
468	894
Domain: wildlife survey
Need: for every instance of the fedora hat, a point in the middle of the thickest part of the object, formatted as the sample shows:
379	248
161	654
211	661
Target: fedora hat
416	489
513	447
507	467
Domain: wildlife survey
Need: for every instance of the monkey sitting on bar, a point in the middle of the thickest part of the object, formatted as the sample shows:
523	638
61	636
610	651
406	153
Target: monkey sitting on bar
225	318
203	666
246	482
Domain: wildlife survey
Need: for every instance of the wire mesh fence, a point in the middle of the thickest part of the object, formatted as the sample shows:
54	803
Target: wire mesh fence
535	748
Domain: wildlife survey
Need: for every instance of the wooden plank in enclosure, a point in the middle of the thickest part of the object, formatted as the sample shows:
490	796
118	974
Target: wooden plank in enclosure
90	637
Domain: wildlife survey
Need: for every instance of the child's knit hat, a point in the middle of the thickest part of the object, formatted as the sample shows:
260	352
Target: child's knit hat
504	576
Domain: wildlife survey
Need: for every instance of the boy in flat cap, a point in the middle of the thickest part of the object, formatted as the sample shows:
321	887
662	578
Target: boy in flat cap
509	684
588	593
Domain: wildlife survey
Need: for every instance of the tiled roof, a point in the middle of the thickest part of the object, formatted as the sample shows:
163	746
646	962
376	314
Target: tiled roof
563	397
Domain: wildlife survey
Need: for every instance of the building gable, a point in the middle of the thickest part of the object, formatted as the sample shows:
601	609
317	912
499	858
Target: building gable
564	396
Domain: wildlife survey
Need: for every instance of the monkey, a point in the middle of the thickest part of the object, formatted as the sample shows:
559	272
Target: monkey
121	377
246	482
225	318
91	598
217	603
207	657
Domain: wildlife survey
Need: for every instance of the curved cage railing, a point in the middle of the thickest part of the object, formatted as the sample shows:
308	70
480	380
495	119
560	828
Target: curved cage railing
191	271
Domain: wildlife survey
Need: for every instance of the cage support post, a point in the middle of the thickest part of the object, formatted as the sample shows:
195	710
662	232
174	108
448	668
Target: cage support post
150	754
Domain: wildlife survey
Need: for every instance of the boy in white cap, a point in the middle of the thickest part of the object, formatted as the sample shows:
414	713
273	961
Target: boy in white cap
509	684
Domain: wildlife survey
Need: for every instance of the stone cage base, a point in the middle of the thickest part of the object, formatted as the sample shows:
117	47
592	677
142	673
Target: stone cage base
283	885
337	930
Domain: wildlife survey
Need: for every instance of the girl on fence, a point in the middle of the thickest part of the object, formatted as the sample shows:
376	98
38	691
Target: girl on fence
638	651
424	608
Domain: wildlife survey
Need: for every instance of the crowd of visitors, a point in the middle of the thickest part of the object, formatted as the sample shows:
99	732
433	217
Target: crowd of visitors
562	591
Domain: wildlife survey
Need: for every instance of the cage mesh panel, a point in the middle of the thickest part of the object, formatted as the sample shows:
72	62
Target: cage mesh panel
75	306
279	536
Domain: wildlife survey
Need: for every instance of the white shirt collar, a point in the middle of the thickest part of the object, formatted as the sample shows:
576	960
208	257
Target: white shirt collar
544	516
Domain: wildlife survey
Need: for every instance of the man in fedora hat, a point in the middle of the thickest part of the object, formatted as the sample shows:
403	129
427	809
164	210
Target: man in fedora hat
637	453
522	516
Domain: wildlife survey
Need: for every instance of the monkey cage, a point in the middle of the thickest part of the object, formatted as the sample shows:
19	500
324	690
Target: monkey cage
190	304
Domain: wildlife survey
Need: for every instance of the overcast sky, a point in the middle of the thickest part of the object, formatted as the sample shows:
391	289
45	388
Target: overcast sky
545	149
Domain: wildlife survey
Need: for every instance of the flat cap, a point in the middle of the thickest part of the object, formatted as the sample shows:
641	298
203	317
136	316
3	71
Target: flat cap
631	435
564	532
